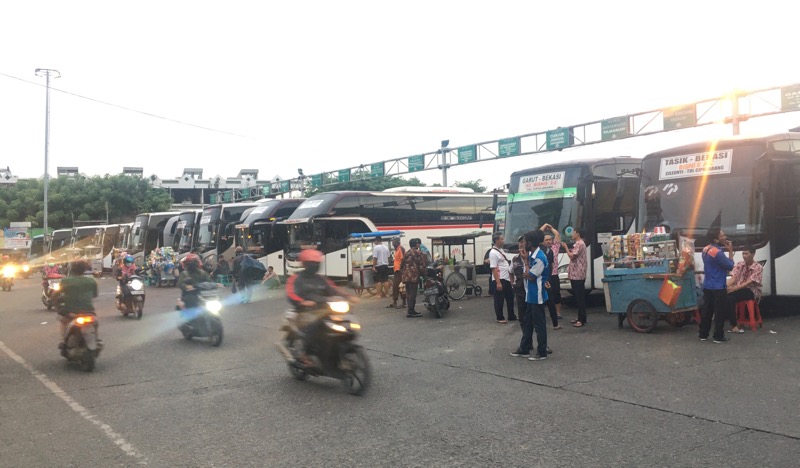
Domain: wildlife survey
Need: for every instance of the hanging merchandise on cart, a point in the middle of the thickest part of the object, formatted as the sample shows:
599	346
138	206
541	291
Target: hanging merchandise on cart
361	244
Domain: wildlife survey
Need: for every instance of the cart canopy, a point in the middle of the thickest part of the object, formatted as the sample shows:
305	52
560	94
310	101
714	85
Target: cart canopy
462	239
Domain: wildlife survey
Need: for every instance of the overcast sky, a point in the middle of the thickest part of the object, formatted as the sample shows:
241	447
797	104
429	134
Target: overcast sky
322	85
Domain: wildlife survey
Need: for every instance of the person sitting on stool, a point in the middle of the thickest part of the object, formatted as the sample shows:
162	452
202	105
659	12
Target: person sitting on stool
744	285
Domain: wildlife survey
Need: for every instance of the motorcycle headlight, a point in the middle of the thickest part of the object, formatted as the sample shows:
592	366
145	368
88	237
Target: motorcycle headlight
56	286
340	307
9	270
136	285
336	327
26	268
214	307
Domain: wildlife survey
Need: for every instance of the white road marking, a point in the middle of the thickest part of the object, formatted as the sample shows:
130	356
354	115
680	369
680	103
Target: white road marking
83	412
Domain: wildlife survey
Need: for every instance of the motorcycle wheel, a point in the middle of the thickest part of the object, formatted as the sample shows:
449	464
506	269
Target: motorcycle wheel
139	311
357	377
435	308
216	334
88	360
297	373
187	336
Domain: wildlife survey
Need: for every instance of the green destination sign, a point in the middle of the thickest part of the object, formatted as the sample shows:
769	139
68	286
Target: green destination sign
416	163
790	98
680	117
560	138
617	127
226	196
467	154
343	176
316	180
212	198
509	147
376	170
286	186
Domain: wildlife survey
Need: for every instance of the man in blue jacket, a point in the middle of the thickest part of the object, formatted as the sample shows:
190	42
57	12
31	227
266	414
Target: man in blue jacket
536	275
716	266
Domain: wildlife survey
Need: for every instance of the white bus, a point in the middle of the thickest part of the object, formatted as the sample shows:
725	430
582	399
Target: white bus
97	244
260	235
748	187
58	242
599	196
216	231
147	234
185	232
325	221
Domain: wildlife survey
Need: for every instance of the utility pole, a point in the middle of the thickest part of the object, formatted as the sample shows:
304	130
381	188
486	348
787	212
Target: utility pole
47	73
443	161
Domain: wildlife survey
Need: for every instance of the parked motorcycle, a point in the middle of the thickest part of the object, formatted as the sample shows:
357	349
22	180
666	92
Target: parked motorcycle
132	299
335	354
7	277
434	292
51	285
202	320
81	343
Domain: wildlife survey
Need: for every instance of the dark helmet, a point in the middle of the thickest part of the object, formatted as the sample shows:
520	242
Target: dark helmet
78	267
310	256
192	262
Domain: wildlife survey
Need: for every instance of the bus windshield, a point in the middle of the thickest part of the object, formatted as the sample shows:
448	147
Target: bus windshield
693	204
318	204
303	235
539	198
184	232
139	233
207	232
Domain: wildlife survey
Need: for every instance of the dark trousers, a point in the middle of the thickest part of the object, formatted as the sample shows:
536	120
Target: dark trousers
507	295
492	285
519	298
745	294
715	306
551	307
534	320
396	280
579	291
411	294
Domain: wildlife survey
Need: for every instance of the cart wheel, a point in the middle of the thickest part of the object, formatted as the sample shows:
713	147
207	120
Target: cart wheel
456	286
642	316
679	319
478	291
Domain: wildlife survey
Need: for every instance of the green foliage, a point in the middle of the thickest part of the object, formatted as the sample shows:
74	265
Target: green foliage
361	182
80	199
473	184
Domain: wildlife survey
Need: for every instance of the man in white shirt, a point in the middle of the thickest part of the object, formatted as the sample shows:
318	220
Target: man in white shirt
503	292
380	264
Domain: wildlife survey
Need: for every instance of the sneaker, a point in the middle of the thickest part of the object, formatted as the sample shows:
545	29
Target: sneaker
513	319
537	358
549	351
520	353
413	314
703	339
724	339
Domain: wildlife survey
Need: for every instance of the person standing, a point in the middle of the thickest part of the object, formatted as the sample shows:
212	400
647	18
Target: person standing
716	267
552	279
554	282
500	274
380	265
536	273
399	251
577	273
491	278
414	264
745	284
518	278
241	280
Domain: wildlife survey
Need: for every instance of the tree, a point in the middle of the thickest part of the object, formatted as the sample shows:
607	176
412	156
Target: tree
473	184
377	184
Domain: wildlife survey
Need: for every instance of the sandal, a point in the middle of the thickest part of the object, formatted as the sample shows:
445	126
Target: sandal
577	324
737	330
391	306
573	321
557	327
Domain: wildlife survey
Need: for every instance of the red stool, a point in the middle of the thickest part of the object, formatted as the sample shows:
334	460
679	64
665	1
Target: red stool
748	311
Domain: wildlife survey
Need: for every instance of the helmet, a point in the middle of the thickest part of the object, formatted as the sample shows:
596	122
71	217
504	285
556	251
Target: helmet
191	261
128	259
310	255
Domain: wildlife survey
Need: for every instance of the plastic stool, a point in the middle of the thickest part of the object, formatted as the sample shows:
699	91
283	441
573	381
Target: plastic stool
225	280
748	312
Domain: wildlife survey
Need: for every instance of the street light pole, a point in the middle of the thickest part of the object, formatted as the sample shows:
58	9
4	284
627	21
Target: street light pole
444	165
47	73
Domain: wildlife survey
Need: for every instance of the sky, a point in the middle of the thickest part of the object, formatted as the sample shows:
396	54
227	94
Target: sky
320	85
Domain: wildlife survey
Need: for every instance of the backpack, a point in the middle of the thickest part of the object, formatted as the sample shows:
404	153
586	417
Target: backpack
251	268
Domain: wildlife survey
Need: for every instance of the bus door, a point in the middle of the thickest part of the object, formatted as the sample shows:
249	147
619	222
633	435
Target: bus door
334	245
785	228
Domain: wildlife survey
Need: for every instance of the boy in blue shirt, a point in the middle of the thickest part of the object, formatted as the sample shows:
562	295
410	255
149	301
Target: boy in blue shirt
536	274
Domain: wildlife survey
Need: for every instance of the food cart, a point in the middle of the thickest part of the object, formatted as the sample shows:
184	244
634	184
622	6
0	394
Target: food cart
648	277
459	275
94	255
361	258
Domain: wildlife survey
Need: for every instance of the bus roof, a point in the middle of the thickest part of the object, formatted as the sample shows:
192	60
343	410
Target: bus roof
704	146
590	163
403	194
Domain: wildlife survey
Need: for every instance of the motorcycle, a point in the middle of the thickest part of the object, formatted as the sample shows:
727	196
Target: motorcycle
334	355
434	292
81	343
132	300
7	277
25	271
51	285
202	320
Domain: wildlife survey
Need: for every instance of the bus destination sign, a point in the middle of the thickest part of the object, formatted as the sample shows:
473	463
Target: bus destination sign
695	165
541	182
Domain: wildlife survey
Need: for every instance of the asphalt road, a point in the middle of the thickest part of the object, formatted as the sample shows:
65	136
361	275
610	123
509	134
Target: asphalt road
444	393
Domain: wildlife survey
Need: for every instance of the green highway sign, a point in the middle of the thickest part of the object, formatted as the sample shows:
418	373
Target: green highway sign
467	154
617	127
509	147
416	163
344	176
316	180
226	196
790	98
680	117
286	186
559	138
376	170
212	198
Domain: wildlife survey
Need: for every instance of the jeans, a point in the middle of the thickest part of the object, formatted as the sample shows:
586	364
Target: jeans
579	291
715	304
411	295
507	295
534	320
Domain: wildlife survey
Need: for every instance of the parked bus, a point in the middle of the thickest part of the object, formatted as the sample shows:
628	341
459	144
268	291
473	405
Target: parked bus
170	231
185	230
326	220
216	231
260	234
599	196
748	187
58	243
96	243
147	234
37	249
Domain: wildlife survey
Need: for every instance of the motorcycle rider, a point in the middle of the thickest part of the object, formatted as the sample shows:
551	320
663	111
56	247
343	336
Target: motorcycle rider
127	269
77	292
308	292
50	271
191	275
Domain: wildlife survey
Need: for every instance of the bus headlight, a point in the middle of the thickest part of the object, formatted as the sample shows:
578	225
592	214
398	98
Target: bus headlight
214	307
